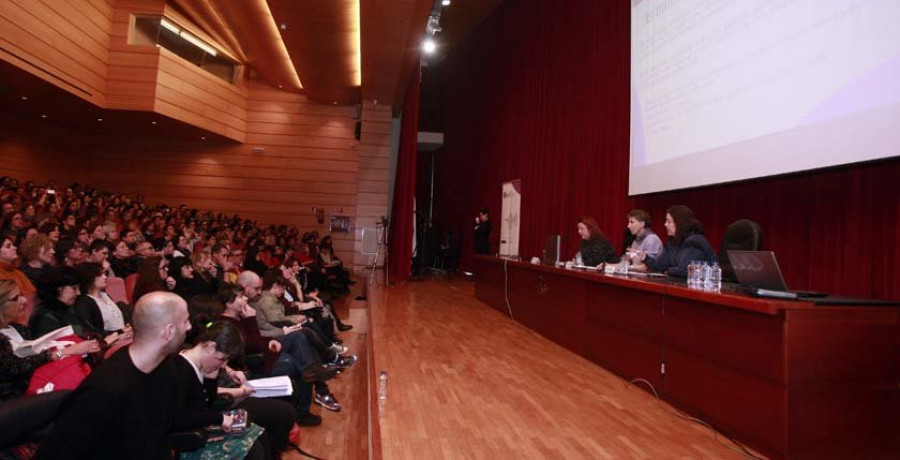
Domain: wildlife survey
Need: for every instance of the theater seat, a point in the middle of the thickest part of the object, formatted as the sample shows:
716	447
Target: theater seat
741	235
115	287
28	418
130	282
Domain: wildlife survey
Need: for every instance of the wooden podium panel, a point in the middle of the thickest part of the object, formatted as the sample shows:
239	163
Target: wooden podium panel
789	379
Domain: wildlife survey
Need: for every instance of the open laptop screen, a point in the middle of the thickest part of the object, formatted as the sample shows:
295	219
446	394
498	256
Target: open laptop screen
757	269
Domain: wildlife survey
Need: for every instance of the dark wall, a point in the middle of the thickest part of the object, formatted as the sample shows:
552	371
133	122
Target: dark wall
540	92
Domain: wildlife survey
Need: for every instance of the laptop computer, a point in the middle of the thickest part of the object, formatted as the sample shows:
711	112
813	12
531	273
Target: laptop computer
760	270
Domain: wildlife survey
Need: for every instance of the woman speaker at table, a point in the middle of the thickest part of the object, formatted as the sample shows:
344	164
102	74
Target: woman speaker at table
686	244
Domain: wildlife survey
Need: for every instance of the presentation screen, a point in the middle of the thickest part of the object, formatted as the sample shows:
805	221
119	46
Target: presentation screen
725	90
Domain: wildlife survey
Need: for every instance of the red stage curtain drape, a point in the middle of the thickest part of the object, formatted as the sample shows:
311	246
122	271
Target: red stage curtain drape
401	226
540	92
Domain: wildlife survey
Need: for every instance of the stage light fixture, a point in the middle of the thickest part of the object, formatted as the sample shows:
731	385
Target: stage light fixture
428	46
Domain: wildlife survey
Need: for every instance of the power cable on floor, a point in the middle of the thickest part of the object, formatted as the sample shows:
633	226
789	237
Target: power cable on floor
742	450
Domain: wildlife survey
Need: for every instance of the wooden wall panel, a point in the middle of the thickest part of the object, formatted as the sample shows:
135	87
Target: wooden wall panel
374	175
60	42
133	69
40	151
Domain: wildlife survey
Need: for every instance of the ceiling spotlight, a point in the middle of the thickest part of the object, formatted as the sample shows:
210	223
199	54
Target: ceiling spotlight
43	116
152	122
335	102
445	2
428	46
24	98
283	26
100	119
202	138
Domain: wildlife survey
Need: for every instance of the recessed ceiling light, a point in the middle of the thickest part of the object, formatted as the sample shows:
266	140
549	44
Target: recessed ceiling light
99	119
202	138
279	86
152	122
43	116
335	102
283	26
24	98
445	2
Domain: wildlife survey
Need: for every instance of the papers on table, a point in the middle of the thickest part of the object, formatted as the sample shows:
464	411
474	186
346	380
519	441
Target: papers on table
272	387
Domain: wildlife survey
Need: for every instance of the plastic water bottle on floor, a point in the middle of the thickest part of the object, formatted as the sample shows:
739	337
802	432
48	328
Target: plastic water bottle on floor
382	385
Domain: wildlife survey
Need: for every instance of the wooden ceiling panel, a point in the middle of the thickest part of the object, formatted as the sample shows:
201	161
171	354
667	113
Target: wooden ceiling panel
392	31
323	42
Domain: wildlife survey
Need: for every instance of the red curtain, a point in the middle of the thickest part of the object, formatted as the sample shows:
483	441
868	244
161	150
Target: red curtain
401	225
540	92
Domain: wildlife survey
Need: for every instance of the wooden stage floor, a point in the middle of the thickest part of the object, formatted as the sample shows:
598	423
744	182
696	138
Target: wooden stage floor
464	381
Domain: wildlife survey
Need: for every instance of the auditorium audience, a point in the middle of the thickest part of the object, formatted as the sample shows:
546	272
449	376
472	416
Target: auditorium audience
686	244
73	239
128	398
15	372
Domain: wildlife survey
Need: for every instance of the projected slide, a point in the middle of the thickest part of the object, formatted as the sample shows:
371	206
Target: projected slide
725	90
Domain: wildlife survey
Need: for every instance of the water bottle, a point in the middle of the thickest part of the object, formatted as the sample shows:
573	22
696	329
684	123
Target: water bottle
703	276
715	277
692	273
382	384
623	265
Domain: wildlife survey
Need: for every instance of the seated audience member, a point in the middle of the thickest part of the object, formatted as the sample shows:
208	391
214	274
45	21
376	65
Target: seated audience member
70	252
122	260
204	270
97	311
8	271
645	240
595	249
686	244
15	372
37	254
51	230
144	250
290	355
187	284
252	287
337	279
300	300
57	291
98	251
123	409
196	372
153	275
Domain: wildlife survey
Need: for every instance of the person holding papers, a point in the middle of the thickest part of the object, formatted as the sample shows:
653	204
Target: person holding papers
595	249
197	373
686	244
15	372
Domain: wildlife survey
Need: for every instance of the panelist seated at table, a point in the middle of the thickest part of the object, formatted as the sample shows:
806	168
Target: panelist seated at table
686	244
594	249
644	239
